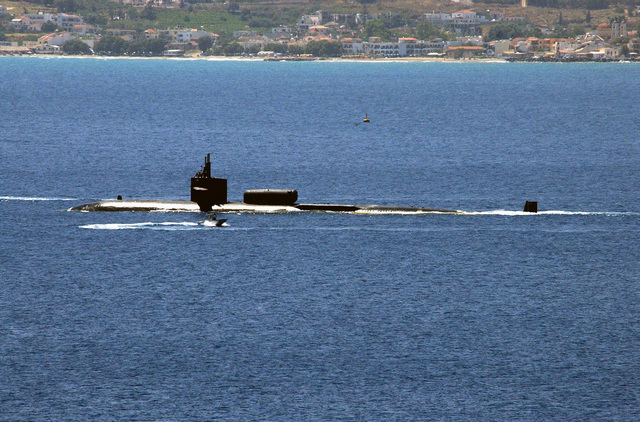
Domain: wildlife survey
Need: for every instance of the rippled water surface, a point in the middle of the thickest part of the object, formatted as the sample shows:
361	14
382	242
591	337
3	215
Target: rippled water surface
491	315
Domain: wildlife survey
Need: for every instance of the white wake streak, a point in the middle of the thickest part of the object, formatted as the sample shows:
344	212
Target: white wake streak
551	212
150	226
136	226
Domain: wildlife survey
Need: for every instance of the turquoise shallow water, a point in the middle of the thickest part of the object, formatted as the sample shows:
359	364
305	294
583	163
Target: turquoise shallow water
495	315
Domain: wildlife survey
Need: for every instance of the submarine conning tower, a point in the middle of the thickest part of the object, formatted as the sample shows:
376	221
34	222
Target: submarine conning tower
208	191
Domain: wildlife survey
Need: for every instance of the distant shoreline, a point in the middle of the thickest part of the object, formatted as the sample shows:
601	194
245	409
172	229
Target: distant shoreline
263	59
315	59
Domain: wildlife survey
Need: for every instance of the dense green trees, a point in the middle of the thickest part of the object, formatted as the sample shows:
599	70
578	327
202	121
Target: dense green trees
49	26
148	13
110	44
395	21
233	49
116	46
314	48
572	4
505	31
563	4
76	47
324	48
570	32
153	47
426	30
624	50
252	49
68	6
276	48
376	28
296	50
205	43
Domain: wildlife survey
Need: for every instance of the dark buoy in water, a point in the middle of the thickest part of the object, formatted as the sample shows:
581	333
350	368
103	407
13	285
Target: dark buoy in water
531	206
366	119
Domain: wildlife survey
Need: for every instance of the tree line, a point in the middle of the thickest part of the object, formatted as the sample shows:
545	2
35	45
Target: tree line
567	4
116	46
315	48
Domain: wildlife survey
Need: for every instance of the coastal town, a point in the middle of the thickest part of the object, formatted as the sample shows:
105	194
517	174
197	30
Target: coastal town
469	33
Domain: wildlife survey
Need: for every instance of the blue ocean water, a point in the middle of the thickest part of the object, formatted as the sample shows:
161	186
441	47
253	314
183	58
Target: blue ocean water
491	315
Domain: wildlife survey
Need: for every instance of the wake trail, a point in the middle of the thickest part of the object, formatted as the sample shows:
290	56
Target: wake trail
149	226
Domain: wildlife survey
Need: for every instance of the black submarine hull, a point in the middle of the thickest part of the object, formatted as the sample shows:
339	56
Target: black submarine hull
243	207
210	194
154	205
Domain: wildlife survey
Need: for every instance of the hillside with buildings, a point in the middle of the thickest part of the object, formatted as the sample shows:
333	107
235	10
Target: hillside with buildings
302	30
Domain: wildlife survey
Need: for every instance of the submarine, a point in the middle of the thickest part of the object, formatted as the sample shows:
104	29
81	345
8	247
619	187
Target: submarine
210	194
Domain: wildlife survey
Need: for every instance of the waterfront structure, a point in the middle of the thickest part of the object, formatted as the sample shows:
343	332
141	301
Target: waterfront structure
404	47
463	52
352	45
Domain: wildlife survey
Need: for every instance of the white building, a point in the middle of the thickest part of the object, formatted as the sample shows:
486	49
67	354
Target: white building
405	47
408	47
67	22
58	38
189	34
437	19
18	24
463	21
364	18
34	21
282	30
352	45
307	21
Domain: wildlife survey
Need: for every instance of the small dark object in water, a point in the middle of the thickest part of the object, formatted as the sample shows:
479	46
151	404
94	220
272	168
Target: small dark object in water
531	206
119	198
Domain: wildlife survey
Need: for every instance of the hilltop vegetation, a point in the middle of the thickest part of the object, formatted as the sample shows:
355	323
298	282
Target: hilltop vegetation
398	17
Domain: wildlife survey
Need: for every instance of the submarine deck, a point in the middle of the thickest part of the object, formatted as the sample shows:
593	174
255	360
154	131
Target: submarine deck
241	207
